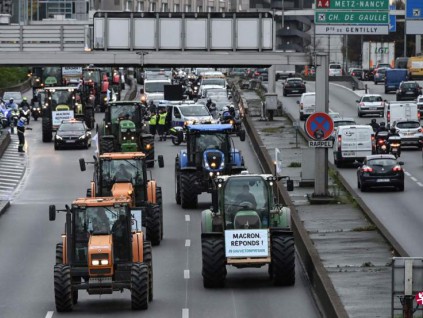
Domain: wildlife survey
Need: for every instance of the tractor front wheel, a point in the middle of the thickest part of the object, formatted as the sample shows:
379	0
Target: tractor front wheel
177	182
282	267
214	262
154	225
139	286
189	196
159	200
63	288
106	145
59	253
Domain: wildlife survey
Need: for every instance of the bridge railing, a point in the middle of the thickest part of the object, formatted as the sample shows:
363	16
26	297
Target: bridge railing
42	38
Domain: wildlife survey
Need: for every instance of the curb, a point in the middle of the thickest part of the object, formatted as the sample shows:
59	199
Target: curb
4	141
4	205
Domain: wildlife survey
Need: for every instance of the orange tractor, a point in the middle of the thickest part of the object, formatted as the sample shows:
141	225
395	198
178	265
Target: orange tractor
102	250
125	174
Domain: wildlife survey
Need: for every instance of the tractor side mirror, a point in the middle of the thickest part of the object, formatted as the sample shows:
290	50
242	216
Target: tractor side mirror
52	212
82	165
161	161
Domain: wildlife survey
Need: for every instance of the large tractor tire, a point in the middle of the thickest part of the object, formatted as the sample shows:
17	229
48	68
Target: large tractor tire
139	286
282	266
148	259
106	145
47	130
214	262
159	200
59	253
63	288
89	117
177	182
154	225
189	196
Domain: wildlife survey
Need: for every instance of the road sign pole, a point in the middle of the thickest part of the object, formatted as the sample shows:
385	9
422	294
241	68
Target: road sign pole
322	105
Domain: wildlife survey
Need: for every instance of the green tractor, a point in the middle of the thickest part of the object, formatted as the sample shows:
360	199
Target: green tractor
62	103
124	130
247	228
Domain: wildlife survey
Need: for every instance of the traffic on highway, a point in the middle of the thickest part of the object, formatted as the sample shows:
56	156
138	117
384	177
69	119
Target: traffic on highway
197	212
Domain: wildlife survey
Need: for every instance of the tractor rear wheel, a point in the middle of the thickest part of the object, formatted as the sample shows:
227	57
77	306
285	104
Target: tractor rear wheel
46	129
148	259
154	225
282	267
59	253
189	197
159	200
214	262
106	145
177	182
63	288
139	286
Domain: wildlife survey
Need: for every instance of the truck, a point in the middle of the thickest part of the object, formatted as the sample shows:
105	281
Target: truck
393	78
283	71
375	53
395	111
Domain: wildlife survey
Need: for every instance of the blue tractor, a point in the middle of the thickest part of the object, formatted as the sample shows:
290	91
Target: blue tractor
210	152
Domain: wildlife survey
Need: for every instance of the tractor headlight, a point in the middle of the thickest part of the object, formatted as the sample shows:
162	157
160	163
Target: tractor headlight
148	147
213	165
95	262
104	262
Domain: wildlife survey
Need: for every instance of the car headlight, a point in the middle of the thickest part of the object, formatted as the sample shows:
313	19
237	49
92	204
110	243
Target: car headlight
82	137
58	137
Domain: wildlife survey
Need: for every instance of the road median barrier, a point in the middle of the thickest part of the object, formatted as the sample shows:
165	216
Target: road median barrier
4	141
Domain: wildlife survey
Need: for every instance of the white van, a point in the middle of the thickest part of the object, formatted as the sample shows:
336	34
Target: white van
396	111
307	105
154	89
182	113
353	142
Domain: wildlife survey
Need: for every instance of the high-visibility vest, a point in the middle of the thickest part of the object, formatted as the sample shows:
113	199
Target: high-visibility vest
116	79
104	87
153	120
162	118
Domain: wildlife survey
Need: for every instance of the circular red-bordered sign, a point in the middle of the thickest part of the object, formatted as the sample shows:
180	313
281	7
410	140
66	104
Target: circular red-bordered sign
319	126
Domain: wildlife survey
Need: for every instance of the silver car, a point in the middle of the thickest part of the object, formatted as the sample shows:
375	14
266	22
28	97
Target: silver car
370	104
410	132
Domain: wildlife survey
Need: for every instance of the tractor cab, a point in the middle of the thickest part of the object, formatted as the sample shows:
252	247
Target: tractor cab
245	201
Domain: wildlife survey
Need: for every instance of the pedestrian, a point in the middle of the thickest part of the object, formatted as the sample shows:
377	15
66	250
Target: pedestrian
153	123
162	124
21	133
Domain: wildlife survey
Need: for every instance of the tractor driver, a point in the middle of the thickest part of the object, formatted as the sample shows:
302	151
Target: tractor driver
246	196
100	221
122	173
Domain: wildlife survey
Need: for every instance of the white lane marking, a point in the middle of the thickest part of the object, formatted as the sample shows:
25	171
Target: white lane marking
10	178
185	313
414	179
187	217
12	172
420	184
49	314
407	173
6	186
187	243
186	274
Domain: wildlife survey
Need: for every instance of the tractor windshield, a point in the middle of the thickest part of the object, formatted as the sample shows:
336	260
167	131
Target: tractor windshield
62	99
118	112
246	202
211	141
127	169
91	76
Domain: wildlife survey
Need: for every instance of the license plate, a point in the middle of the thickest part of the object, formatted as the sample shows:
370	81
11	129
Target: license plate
348	153
409	93
372	107
70	141
295	91
382	180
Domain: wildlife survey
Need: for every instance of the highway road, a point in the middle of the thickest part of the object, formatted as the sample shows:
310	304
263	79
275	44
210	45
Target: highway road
400	212
27	251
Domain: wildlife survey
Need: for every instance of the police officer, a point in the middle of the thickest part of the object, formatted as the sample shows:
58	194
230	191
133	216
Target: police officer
162	124
21	133
153	123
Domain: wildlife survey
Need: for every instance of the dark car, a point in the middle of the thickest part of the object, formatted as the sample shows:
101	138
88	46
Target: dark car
262	74
72	134
380	171
294	85
408	90
379	75
357	73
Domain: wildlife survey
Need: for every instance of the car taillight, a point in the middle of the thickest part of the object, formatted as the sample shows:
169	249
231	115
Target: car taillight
419	130
256	73
353	74
388	116
397	168
367	169
339	142
381	141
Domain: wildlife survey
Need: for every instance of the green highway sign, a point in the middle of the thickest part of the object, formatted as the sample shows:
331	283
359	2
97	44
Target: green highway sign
353	4
351	17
